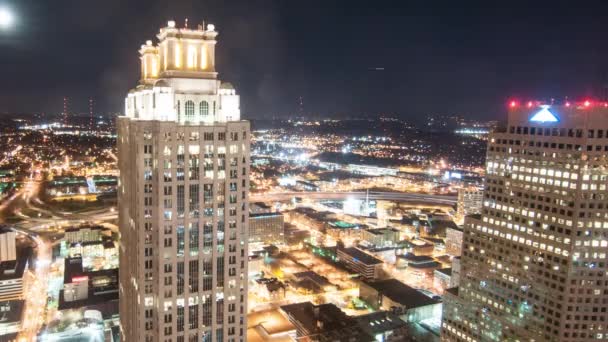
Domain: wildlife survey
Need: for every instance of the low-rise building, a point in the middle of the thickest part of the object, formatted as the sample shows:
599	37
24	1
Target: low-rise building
442	278
324	323
11	312
344	231
382	237
312	281
11	278
85	234
418	267
360	262
384	326
267	228
271	289
269	326
83	288
392	295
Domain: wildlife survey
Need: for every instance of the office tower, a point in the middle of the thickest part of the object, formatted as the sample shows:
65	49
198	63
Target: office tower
8	249
183	196
534	261
469	202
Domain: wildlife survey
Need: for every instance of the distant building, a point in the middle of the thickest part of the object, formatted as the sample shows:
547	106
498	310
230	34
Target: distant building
306	186
453	241
268	228
392	295
84	234
8	248
270	326
67	186
256	262
11	313
271	288
382	237
469	202
455	278
418	267
82	288
312	281
384	326
360	262
93	249
260	208
11	277
442	278
341	230
324	323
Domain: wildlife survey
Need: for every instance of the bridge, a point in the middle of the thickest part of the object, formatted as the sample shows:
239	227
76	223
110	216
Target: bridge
373	195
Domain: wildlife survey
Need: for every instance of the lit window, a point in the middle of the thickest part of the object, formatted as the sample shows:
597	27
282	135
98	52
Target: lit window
203	57
189	110
204	108
191	57
178	55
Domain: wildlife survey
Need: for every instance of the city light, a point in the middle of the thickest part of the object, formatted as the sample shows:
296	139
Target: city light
314	219
7	18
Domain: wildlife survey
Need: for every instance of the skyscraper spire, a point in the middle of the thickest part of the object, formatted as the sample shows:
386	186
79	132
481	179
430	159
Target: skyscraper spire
65	111
91	115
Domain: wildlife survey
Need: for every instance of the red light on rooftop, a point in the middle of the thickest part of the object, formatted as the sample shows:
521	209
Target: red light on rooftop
529	104
587	103
512	104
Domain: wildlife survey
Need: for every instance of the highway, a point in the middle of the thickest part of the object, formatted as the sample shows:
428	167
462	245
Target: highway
391	196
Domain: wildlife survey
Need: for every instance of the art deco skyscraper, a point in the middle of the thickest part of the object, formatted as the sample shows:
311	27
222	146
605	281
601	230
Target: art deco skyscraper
183	196
534	264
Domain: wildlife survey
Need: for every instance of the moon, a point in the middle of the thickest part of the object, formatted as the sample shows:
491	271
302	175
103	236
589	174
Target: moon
6	18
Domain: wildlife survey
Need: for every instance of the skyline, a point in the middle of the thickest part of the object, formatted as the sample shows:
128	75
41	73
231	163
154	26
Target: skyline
386	199
466	60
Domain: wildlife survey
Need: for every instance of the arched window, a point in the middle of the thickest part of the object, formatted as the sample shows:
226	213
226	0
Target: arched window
204	108
189	110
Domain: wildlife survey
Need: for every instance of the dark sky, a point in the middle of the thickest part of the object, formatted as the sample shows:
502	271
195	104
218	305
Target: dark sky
450	57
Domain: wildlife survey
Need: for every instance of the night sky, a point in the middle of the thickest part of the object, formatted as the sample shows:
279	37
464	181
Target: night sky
452	57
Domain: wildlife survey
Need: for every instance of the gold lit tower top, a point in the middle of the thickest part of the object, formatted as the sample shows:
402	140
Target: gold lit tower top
181	52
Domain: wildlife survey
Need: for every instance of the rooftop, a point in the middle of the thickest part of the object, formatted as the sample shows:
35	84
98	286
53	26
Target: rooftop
401	293
262	215
271	321
360	256
416	258
445	271
313	276
325	320
13	269
11	310
380	322
343	225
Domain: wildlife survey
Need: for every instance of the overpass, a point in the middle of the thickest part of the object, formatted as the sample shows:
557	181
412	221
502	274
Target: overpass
374	195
